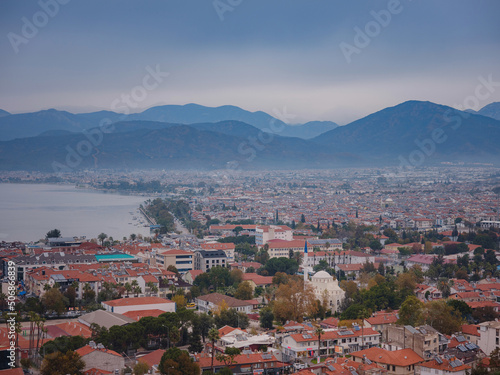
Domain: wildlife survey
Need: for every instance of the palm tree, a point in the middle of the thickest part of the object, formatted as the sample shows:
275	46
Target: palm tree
41	331
135	287
102	237
319	331
128	288
213	336
86	290
150	285
137	290
172	289
154	289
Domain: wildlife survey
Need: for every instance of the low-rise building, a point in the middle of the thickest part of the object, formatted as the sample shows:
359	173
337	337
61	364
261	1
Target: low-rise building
190	276
444	366
213	301
246	363
397	362
123	305
342	341
97	356
237	338
256	280
381	319
471	332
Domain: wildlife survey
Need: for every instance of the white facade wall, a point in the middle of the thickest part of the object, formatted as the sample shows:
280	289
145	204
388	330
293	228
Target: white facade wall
489	338
167	307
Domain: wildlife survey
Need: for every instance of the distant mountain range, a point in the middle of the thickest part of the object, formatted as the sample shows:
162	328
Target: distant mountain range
423	131
491	110
397	131
36	123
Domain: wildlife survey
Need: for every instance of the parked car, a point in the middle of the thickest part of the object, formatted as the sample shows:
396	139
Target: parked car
299	366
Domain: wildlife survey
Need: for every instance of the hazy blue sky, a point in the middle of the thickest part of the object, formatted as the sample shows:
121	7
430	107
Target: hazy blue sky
263	55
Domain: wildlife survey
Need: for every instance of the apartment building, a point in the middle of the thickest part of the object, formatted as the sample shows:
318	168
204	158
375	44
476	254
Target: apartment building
423	340
489	338
206	259
228	248
342	341
266	233
180	259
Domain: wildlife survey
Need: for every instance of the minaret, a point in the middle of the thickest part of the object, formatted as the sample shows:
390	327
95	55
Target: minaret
305	265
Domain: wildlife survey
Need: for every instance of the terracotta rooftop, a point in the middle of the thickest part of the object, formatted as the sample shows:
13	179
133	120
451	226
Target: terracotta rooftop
137	301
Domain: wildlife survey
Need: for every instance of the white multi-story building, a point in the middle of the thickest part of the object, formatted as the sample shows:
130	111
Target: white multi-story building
266	233
282	248
489	338
336	257
487	224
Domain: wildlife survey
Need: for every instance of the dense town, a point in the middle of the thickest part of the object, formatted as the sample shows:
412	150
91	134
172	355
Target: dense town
369	271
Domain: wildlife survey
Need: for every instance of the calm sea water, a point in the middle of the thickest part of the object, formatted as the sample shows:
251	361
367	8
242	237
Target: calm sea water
28	212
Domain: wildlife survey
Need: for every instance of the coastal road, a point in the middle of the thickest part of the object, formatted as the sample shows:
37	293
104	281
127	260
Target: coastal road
180	227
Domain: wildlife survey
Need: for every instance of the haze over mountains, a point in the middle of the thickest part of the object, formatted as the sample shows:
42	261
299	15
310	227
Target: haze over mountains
491	110
33	124
197	137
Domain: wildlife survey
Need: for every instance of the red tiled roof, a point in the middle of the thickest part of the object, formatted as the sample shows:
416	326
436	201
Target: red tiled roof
87	350
217	299
12	371
218	246
152	358
150	278
476	304
137	301
383	318
332	322
75	329
241	359
258	279
138	315
96	371
402	357
444	366
283	244
227	329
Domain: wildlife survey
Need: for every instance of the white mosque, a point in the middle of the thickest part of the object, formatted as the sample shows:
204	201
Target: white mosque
323	283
